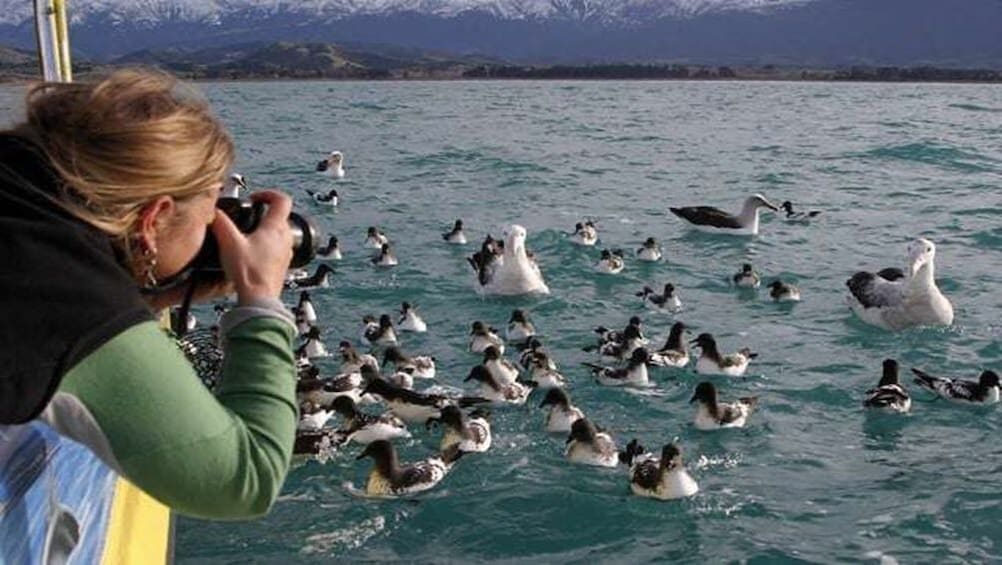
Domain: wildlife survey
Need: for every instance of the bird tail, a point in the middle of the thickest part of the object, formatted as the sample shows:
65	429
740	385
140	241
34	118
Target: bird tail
633	449
467	401
593	366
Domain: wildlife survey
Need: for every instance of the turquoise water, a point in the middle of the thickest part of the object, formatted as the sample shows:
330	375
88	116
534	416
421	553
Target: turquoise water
811	478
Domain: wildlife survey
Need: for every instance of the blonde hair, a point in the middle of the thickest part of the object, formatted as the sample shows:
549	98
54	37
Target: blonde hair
120	142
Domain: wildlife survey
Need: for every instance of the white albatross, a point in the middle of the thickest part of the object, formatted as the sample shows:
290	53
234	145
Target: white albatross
904	302
517	273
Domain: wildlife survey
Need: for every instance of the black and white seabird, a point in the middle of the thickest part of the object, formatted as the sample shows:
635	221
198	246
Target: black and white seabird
712	362
385	257
664	478
314	346
562	413
516	272
519	327
889	394
352	361
584	233
909	301
487	260
631	340
332	166
305	306
795	216
712	414
483	336
374	239
415	407
650	251
667	300
455	236
409	320
471	434
367	428
233	186
589	446
319	279
783	292
611	262
708	218
675	352
496	391
503	370
380	333
330	197
746	277
633	374
985	390
332	250
389	478
421	366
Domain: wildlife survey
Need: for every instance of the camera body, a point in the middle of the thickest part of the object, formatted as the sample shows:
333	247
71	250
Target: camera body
246	215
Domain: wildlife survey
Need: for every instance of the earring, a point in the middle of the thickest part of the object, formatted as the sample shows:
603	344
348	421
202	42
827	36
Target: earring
149	266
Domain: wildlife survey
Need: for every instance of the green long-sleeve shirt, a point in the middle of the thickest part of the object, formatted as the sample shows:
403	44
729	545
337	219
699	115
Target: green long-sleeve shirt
137	402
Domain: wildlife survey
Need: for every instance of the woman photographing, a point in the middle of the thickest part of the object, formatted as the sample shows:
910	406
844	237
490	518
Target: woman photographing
106	189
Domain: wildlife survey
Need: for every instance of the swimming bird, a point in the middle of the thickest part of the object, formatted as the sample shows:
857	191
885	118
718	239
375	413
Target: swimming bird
664	478
746	277
455	236
487	260
631	341
519	326
496	391
611	341
667	300
322	392
650	251
589	446
421	366
711	362
707	218
985	390
584	233
889	394
415	407
367	428
562	413
317	443
470	434
319	279
544	371
312	416
409	320
503	370
314	347
389	478
712	414
381	333
534	355
352	361
795	216
232	186
483	336
516	272
305	306
330	197
332	250
675	352
611	262
333	165
633	374
783	292
385	258
374	239
909	301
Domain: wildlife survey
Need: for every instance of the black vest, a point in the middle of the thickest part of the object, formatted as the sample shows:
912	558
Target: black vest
63	292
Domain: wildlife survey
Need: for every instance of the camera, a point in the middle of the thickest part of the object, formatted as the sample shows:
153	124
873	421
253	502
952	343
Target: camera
247	215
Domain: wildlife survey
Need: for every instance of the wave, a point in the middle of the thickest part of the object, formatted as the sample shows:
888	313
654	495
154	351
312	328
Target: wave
975	108
942	156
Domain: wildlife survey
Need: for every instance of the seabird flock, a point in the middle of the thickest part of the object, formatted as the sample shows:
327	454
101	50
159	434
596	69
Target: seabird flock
892	299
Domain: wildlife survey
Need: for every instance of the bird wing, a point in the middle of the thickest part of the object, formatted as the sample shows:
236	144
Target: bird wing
873	291
707	216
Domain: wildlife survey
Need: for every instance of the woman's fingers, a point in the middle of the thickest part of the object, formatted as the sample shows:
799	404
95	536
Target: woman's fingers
256	263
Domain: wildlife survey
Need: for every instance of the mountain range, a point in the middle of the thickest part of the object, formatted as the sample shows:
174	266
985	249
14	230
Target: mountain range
825	33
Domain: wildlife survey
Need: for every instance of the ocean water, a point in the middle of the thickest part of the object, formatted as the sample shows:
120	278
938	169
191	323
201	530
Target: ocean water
811	478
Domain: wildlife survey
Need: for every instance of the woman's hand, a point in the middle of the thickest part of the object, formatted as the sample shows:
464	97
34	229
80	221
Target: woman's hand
256	263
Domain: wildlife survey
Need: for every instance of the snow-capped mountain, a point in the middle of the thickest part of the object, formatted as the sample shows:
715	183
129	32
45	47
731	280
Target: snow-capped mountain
959	33
154	12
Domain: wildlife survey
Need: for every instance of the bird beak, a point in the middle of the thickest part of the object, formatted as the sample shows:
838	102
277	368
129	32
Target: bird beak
362	455
468	378
693	399
569	438
694	342
915	265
